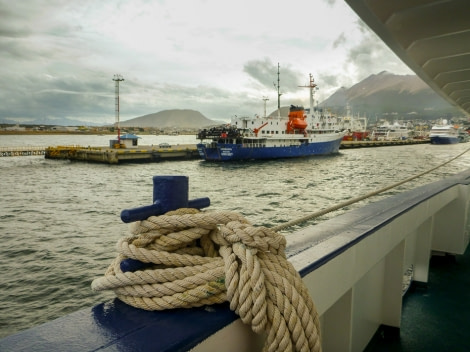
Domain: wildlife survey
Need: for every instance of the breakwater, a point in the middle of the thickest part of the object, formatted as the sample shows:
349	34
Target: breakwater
22	151
120	155
382	143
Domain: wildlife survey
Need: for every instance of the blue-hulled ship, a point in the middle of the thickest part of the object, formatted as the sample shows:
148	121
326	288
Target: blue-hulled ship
444	133
302	133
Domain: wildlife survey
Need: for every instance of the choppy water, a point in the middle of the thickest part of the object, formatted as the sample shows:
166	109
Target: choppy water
59	220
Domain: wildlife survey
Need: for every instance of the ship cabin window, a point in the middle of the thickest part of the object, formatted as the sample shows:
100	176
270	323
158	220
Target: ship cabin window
262	132
272	132
252	122
277	132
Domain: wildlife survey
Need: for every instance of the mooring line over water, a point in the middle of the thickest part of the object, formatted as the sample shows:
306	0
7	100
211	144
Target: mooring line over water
357	199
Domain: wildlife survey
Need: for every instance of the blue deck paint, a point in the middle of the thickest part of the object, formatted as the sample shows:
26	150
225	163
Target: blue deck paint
116	326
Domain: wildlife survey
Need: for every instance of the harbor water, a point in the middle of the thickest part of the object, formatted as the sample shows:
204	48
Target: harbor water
60	220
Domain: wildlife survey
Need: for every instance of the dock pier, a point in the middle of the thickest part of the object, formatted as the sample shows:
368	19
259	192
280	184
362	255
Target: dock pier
22	151
110	155
381	143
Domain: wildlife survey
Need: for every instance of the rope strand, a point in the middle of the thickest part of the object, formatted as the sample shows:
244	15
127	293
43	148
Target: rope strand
358	199
240	263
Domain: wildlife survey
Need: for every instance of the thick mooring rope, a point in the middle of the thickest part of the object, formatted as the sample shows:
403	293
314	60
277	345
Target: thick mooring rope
201	258
358	199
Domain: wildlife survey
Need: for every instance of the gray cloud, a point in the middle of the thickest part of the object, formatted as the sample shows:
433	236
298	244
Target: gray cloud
372	55
59	56
328	80
265	73
34	96
13	24
341	40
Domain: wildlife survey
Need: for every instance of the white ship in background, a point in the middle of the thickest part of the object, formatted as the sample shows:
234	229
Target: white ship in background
302	133
444	133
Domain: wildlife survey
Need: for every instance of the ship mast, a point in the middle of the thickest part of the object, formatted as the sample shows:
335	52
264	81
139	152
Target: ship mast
312	87
278	92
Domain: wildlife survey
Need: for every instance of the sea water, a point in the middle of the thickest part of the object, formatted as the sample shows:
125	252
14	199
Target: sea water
60	220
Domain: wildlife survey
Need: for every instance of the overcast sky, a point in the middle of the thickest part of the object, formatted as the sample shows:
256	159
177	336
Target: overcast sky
58	57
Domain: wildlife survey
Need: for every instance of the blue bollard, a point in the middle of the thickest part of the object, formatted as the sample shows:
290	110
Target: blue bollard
169	193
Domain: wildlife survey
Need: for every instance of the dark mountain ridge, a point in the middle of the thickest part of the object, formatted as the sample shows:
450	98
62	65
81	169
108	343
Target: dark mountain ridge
384	94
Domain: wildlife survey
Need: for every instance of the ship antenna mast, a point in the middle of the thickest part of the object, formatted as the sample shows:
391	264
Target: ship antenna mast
312	87
265	99
278	92
117	79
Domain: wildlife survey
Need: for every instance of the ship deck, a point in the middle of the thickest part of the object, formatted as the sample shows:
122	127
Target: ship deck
435	315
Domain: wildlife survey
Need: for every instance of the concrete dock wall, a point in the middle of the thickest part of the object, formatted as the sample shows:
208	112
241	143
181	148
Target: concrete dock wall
109	155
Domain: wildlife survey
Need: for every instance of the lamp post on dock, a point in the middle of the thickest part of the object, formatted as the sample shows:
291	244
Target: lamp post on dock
117	79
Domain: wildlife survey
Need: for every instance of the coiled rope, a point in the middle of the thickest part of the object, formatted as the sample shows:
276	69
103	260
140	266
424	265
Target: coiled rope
201	258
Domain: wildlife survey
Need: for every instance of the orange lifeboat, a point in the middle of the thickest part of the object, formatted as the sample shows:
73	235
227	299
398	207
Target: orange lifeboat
299	124
296	119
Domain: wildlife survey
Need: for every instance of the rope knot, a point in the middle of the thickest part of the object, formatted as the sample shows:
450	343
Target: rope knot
259	238
200	258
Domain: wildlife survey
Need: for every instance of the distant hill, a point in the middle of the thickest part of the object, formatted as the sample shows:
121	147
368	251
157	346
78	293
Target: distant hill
389	94
175	118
